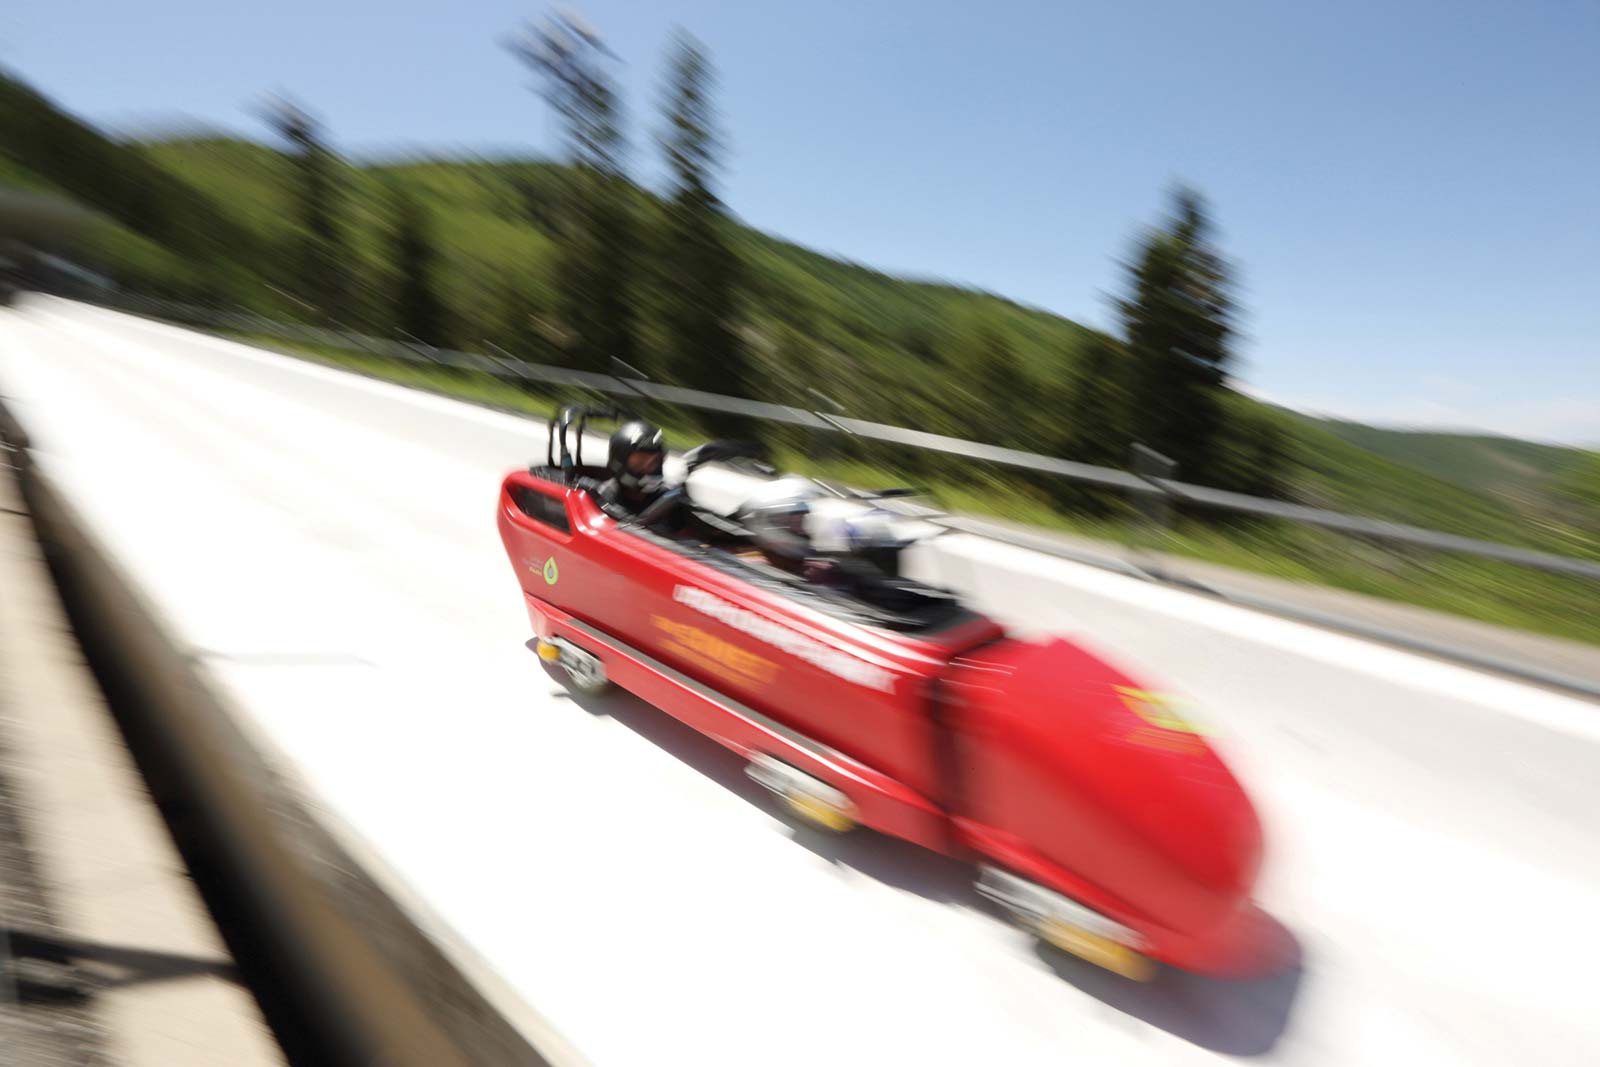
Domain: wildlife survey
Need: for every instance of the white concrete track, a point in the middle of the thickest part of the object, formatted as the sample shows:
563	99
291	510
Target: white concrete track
327	545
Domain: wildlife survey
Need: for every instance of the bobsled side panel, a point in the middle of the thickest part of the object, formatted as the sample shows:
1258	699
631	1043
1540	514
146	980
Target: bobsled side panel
550	561
861	692
810	672
883	802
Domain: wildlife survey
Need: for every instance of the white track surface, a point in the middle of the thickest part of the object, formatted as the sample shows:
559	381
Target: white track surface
327	545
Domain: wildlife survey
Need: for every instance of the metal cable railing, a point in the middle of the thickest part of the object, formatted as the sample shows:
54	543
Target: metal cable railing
1110	478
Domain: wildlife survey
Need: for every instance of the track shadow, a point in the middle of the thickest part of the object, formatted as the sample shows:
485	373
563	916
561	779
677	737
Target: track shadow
719	764
1235	1018
1238	1018
58	970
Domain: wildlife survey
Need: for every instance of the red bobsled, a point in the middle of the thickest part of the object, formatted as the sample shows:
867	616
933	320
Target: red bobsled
1097	817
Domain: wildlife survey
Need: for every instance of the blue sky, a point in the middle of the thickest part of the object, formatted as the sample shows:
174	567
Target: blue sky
1410	190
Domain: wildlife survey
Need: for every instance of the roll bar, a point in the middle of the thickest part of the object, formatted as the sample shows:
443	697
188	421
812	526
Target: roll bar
568	455
564	442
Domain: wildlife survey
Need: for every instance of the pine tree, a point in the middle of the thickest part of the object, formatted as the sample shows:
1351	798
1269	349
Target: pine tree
324	254
995	403
920	344
700	271
1096	408
1178	323
419	310
596	231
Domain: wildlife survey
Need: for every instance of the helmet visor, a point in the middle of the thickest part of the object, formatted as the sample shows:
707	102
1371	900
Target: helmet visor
643	464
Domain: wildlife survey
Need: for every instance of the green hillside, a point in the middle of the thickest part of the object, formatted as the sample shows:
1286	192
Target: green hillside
1333	472
879	343
491	224
1518	470
1545	488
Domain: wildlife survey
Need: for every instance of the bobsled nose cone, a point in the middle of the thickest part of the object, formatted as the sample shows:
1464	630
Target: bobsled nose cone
1105	784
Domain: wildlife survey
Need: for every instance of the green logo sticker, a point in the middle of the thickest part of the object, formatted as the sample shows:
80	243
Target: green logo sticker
550	572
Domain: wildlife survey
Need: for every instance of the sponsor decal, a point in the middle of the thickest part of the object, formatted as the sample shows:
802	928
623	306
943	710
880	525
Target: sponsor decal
551	573
712	652
1163	725
768	632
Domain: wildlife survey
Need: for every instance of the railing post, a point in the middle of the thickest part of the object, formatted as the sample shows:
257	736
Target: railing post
1155	509
821	445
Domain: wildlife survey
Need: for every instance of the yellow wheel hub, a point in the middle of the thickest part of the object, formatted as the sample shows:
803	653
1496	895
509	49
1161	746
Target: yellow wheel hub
818	812
1101	951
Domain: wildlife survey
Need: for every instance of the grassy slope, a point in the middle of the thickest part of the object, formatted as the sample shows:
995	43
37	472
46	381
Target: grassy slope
1527	482
1336	474
14	175
1483	463
105	245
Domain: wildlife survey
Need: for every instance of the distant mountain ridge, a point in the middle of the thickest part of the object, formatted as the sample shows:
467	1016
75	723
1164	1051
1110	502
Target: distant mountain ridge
1498	465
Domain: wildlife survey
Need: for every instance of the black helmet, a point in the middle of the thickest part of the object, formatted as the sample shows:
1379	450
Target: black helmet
636	454
777	515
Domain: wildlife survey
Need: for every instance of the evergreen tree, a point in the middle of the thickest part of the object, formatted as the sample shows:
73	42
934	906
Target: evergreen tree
920	344
1178	322
700	270
419	310
1271	464
324	254
524	323
982	391
1254	453
1096	429
1001	388
596	231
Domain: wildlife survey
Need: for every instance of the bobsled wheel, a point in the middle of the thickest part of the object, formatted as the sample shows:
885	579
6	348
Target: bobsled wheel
814	811
1067	925
587	677
812	800
584	671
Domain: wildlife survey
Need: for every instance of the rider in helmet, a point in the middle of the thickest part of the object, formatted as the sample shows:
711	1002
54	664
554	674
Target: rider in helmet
779	528
782	522
634	461
842	549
